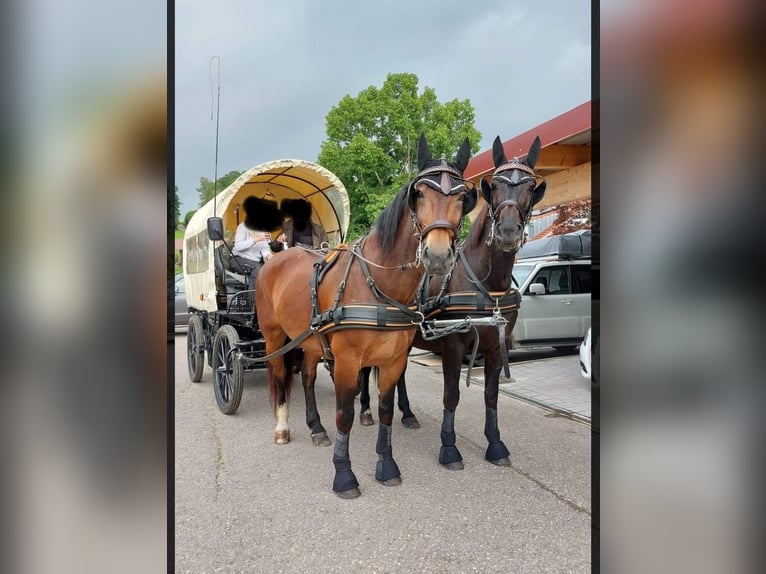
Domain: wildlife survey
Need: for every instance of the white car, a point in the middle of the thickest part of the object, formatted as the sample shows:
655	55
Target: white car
555	304
585	356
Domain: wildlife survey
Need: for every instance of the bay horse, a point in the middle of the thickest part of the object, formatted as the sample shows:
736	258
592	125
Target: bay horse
299	298
485	266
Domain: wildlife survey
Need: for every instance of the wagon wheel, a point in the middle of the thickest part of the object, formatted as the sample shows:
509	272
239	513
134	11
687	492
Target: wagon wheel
228	373
195	348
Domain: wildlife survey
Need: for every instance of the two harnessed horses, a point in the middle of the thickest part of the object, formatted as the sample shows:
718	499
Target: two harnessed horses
357	311
480	282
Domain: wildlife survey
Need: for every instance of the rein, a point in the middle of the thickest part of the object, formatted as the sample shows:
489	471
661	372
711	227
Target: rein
402	267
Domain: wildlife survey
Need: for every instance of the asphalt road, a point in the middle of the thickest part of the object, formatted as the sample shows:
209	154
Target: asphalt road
244	504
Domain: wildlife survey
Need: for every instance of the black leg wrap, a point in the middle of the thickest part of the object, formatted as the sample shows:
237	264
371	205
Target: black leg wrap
386	467
448	452
496	449
490	425
344	476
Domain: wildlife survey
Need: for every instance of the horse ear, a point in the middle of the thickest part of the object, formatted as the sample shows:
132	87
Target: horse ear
486	191
498	153
424	154
470	201
538	193
533	153
463	155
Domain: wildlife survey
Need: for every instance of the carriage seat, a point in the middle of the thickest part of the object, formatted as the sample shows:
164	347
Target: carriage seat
230	276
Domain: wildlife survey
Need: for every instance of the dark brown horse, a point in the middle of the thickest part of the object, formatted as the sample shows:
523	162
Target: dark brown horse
489	252
383	269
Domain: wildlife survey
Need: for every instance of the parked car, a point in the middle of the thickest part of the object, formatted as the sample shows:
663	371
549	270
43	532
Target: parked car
585	356
555	307
181	307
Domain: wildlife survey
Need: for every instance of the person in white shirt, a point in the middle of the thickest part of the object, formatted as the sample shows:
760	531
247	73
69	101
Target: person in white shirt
253	244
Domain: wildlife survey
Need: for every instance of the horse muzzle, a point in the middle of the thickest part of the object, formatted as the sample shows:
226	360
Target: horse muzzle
438	263
438	247
509	241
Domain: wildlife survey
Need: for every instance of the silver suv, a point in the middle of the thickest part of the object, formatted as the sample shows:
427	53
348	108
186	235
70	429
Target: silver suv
555	306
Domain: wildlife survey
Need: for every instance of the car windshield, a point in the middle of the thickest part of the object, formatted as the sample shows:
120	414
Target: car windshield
521	272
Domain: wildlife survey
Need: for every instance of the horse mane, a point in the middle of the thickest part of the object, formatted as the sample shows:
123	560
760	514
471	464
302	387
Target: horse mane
387	223
477	228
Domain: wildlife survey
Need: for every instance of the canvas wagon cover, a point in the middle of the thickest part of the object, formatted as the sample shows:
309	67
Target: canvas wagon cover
277	180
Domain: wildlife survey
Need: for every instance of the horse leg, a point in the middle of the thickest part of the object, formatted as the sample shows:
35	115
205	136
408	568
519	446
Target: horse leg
363	382
497	453
449	455
386	470
409	420
345	484
280	382
308	376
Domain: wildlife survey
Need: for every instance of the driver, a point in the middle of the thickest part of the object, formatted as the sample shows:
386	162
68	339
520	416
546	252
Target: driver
253	245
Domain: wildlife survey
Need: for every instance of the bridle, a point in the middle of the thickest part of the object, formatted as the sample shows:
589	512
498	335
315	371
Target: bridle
493	213
444	185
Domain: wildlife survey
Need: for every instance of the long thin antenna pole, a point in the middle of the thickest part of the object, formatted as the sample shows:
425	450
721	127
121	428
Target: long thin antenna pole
217	116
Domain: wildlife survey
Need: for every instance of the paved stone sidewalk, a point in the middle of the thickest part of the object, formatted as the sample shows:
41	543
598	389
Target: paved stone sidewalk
552	382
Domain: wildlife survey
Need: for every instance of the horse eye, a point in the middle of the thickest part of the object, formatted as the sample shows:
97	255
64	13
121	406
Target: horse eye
418	194
461	198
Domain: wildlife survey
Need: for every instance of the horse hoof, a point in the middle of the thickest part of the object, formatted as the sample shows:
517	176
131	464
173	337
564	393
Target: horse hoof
365	419
505	461
396	481
457	465
282	437
411	423
320	439
346	494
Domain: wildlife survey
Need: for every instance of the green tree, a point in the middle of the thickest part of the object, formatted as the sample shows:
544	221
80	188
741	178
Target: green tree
176	208
372	140
188	216
205	189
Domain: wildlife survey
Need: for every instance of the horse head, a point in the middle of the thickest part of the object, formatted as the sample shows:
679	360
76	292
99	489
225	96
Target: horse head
513	185
439	198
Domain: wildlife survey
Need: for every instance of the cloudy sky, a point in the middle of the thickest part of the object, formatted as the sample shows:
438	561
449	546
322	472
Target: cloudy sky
284	65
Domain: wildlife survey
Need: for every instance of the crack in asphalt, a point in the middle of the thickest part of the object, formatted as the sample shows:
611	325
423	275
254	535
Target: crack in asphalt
218	455
573	505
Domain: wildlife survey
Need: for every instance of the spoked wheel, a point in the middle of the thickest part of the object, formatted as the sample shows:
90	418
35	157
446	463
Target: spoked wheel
195	348
228	373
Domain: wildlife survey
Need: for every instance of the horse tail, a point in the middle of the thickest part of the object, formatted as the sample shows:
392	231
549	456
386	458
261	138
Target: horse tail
375	376
290	362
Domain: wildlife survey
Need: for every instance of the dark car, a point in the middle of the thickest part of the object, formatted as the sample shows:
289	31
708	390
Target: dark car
182	309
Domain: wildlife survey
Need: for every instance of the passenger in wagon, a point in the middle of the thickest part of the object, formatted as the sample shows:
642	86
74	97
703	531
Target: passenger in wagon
297	225
253	244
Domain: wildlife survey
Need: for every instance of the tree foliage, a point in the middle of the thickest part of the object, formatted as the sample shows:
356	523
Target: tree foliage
205	191
372	140
188	216
176	208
